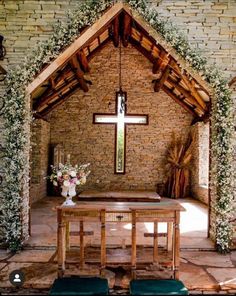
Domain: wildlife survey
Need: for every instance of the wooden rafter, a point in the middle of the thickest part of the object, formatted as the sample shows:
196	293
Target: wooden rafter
161	62
79	73
165	73
58	102
80	42
185	93
116	33
126	32
52	82
191	85
83	61
44	100
97	49
141	49
179	101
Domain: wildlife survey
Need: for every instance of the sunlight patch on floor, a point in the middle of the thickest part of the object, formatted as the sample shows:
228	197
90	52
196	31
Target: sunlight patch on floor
195	218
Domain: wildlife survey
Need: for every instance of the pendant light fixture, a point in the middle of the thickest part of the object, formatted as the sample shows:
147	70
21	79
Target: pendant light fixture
121	94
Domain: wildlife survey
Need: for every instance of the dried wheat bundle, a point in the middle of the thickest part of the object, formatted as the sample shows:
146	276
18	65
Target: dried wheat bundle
179	157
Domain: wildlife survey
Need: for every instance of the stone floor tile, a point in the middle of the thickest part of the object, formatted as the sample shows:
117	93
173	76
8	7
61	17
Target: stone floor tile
233	257
37	275
192	235
32	256
196	278
4	254
226	277
2	265
207	258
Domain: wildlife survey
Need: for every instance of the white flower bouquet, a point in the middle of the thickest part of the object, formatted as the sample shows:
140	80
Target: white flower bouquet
68	177
66	174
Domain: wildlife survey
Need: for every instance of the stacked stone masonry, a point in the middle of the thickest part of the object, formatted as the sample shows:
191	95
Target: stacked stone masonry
147	146
209	25
40	140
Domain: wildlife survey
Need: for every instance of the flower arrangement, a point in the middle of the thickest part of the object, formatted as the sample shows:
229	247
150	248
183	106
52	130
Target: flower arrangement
67	175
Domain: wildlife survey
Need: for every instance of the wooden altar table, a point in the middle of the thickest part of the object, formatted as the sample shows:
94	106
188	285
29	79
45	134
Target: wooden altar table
167	210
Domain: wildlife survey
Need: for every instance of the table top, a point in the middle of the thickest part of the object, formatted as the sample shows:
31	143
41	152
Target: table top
165	204
121	195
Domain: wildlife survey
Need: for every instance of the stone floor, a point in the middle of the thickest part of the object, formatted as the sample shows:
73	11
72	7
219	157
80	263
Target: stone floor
202	270
193	227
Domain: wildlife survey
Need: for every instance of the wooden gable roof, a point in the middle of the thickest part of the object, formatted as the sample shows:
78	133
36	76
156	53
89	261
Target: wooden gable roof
67	73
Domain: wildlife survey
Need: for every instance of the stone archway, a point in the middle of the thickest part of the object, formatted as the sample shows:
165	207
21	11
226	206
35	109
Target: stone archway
15	237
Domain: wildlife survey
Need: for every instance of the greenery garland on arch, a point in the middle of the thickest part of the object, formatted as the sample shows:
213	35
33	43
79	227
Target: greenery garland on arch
17	116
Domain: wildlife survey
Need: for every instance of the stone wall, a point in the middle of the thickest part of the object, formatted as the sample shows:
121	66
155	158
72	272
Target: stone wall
39	159
200	163
72	122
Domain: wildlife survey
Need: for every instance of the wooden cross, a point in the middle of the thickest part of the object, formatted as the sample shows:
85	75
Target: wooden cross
120	119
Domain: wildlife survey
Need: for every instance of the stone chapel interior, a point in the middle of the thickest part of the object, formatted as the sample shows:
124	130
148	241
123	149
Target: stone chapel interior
175	101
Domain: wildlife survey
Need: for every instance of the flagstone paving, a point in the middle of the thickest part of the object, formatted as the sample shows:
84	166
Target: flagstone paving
41	270
201	269
193	227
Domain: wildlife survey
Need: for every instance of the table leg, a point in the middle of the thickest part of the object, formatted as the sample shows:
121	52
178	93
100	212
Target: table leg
67	236
169	236
61	252
134	248
155	242
177	245
81	235
103	241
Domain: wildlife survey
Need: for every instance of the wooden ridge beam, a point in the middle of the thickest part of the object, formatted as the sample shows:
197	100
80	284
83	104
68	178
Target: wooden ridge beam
116	31
179	101
83	61
79	73
126	32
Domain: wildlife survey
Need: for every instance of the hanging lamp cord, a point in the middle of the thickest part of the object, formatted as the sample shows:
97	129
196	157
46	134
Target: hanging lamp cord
120	82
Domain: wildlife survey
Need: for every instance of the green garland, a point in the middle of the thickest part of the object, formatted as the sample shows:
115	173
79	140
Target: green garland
17	116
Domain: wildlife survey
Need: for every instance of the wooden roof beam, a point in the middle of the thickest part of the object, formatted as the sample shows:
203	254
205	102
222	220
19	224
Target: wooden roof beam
116	31
83	61
52	82
160	82
191	85
143	50
161	62
79	73
44	100
82	41
185	93
126	32
179	101
205	118
58	102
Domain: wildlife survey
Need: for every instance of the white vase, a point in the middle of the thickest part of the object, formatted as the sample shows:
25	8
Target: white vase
68	192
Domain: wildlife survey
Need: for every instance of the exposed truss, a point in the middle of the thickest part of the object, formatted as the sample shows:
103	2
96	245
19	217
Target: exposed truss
68	74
